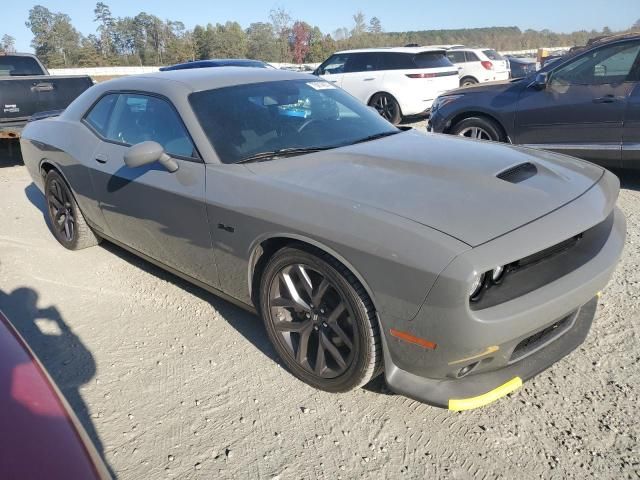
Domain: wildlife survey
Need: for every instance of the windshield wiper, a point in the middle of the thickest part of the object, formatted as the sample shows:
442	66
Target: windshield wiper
282	152
376	136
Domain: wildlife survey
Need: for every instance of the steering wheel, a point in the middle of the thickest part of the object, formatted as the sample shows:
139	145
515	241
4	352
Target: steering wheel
305	124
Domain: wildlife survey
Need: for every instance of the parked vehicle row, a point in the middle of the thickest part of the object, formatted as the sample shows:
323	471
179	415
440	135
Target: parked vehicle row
27	88
586	104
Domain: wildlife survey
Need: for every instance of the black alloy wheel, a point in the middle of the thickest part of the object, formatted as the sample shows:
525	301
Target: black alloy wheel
320	322
387	107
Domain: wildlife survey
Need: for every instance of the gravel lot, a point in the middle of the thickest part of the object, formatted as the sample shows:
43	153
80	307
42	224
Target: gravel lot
172	382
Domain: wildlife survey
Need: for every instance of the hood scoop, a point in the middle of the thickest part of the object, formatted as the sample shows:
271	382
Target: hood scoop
518	173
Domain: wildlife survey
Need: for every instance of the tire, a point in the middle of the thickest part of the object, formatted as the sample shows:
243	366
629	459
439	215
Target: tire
341	324
387	106
67	222
468	81
479	128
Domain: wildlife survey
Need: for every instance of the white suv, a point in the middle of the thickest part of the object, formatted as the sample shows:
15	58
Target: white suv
478	65
396	81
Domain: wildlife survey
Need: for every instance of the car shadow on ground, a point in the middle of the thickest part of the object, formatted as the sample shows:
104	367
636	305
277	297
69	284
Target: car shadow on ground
69	363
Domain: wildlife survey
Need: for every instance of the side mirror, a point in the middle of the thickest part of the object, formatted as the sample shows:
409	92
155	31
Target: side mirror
148	152
541	81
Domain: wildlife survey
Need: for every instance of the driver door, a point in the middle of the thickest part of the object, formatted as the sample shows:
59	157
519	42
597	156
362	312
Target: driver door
581	111
155	212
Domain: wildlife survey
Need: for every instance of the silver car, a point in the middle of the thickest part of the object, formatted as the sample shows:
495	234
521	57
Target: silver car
459	268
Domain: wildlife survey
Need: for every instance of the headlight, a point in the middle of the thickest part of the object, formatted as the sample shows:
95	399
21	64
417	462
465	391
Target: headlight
444	100
476	286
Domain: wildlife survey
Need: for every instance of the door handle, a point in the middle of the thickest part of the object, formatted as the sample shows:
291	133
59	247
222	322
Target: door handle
42	87
605	99
101	159
333	81
369	79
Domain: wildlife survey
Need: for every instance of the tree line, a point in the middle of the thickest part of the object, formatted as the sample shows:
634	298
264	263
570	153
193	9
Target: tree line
145	39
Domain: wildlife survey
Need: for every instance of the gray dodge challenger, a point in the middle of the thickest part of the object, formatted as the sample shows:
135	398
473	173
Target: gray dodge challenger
458	268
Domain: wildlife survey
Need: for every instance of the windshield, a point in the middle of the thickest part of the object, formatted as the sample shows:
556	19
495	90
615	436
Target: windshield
17	65
244	120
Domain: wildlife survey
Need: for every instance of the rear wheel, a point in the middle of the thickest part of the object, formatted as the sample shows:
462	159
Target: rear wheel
479	128
387	106
320	320
67	222
468	81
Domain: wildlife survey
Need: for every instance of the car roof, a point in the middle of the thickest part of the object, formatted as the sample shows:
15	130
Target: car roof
414	50
214	62
198	79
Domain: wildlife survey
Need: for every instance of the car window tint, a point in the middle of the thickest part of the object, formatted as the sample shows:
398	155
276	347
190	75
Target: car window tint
606	65
456	57
16	65
471	57
98	116
396	61
242	120
362	62
333	65
431	60
137	118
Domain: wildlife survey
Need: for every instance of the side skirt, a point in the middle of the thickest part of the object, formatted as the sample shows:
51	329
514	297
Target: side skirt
177	273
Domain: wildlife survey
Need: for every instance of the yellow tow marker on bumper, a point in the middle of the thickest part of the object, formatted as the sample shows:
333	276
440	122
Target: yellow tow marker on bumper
486	398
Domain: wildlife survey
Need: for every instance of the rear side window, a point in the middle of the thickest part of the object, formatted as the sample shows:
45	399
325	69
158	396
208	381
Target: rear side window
98	117
456	57
362	62
471	57
493	55
19	66
396	61
431	60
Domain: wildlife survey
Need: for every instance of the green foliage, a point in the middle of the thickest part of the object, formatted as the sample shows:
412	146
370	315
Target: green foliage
148	40
7	44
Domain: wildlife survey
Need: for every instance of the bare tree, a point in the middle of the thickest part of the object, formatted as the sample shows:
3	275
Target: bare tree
7	44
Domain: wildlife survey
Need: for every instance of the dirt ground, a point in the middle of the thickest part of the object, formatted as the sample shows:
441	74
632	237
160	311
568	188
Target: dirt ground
172	382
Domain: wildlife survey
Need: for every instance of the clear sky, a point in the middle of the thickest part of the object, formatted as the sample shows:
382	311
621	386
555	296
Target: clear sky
396	15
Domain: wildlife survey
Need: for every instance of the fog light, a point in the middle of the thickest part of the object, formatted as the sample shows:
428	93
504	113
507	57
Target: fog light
466	370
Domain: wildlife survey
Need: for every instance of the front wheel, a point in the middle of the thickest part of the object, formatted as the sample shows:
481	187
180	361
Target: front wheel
320	320
387	107
479	128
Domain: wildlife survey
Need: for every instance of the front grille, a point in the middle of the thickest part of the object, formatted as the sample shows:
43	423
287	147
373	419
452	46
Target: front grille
536	341
519	173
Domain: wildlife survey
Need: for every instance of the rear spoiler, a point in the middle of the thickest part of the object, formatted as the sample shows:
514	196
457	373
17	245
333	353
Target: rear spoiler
43	115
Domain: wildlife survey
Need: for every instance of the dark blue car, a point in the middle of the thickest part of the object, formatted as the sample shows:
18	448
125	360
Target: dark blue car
224	62
586	104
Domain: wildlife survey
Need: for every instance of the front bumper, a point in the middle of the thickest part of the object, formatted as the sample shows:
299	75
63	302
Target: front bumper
488	339
478	390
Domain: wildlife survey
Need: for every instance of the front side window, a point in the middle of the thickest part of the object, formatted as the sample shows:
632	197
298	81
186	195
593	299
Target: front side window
334	65
244	120
613	64
137	118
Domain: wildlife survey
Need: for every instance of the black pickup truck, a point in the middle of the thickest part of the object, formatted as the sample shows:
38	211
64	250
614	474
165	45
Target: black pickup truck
27	88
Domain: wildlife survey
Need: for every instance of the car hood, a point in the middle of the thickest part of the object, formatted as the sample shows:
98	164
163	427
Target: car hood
444	182
493	87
